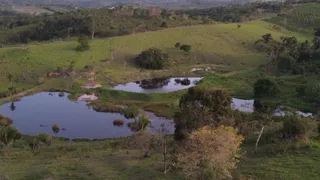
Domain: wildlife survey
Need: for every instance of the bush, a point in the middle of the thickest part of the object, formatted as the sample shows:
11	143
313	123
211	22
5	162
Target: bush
296	127
298	69
83	44
45	138
177	45
312	92
164	24
9	133
286	63
146	142
152	58
5	121
265	88
140	125
186	48
130	112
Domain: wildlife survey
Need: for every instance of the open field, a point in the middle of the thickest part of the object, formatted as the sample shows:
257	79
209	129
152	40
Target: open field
221	45
109	159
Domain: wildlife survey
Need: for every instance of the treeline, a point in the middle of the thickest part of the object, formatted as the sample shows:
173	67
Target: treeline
237	13
121	20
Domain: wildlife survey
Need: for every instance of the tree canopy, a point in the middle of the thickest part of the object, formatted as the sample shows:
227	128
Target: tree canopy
152	58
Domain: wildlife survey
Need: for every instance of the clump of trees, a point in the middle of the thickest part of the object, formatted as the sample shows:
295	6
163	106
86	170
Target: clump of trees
265	88
288	55
9	133
36	142
83	44
152	58
147	142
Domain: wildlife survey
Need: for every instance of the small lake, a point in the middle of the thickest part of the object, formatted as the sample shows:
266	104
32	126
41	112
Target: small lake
159	85
37	113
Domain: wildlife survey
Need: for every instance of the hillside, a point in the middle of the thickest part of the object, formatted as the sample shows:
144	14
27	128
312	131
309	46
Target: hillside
302	18
29	62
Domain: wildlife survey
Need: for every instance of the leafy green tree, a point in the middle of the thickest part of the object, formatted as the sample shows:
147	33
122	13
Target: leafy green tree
200	107
83	44
186	48
45	138
265	88
152	58
164	24
267	38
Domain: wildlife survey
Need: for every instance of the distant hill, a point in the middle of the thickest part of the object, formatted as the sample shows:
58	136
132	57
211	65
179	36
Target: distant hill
99	3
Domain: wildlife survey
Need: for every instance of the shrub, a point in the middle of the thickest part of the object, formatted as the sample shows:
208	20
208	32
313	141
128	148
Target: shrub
186	48
45	138
296	127
312	92
164	24
265	87
8	134
239	26
152	58
5	121
130	112
298	69
177	45
83	44
286	63
146	142
141	124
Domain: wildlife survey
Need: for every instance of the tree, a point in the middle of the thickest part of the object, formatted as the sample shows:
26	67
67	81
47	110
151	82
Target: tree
83	44
200	107
267	38
8	134
210	153
316	43
141	124
265	88
152	58
186	48
239	26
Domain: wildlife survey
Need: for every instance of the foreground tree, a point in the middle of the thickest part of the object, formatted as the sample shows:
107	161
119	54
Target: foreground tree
152	58
8	134
200	107
210	153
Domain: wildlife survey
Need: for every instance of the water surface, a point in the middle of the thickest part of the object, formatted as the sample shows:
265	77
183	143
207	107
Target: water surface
37	113
158	85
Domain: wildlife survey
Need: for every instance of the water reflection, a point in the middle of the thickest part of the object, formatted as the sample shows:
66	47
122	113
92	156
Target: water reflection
159	85
38	113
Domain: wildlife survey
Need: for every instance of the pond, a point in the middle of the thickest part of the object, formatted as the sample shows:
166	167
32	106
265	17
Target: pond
159	85
248	106
38	113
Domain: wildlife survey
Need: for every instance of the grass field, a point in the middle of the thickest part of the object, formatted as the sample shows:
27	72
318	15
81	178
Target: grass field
222	45
109	159
303	18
